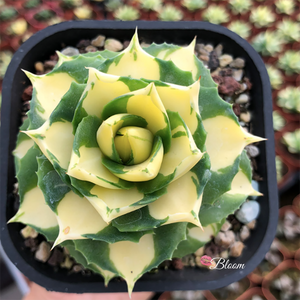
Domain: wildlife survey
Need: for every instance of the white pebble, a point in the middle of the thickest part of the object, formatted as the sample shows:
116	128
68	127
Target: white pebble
245	117
70	51
113	45
252	151
248	212
238	74
225	60
242	99
43	252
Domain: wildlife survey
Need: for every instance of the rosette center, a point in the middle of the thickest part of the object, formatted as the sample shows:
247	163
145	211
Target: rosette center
133	144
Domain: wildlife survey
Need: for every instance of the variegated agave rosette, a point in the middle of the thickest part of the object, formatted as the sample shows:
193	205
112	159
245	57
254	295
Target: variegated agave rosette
129	159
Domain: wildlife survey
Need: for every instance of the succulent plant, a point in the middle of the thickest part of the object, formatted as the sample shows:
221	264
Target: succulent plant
71	3
279	167
262	16
32	3
193	5
83	12
170	13
285	6
240	6
5	58
216	14
7	13
290	62
278	121
127	172
154	5
275	77
112	5
18	27
289	99
241	28
126	13
289	30
292	141
267	43
44	15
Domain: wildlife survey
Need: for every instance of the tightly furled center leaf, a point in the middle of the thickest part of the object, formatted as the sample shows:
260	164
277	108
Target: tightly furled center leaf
130	151
133	144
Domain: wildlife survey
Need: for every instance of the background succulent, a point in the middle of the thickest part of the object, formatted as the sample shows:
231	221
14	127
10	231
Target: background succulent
170	13
289	99
5	58
285	6
240	6
44	15
267	43
289	30
193	5
275	77
278	121
279	167
216	14
18	27
241	28
290	62
83	12
7	13
126	13
32	3
262	16
71	3
126	172
154	5
292	141
112	5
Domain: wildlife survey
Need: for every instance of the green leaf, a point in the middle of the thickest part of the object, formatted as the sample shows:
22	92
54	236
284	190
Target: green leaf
26	175
76	67
212	105
50	183
138	220
220	182
197	238
222	207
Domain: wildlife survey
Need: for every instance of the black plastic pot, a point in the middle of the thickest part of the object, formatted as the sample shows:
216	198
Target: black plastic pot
40	47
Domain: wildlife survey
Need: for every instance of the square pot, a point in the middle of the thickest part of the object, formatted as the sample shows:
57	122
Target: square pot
40	47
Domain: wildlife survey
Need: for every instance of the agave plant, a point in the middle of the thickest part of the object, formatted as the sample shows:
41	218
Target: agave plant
262	16
275	77
240	6
126	13
285	6
116	158
290	62
154	5
292	141
170	13
278	121
193	5
289	99
241	28
289	30
216	14
267	43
